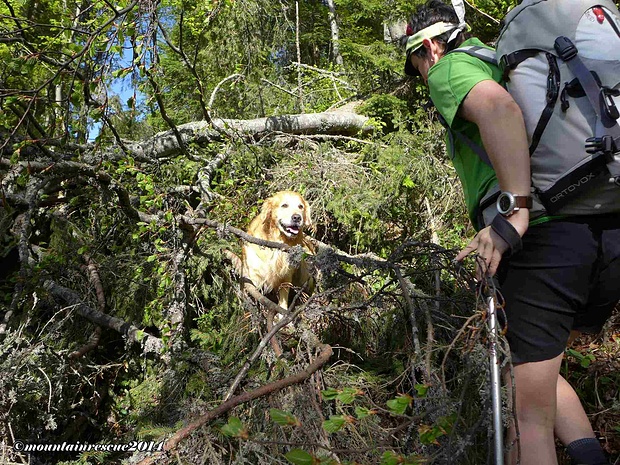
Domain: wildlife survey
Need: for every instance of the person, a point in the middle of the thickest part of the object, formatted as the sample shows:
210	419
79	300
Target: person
558	276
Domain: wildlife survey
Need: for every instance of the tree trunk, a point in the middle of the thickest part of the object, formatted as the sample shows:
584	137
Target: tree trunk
333	24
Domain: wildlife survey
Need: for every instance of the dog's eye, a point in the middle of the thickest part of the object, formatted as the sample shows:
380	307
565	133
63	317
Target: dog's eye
300	206
285	205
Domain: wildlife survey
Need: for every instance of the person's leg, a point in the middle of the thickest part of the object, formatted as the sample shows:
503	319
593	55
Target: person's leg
535	408
549	288
571	421
572	426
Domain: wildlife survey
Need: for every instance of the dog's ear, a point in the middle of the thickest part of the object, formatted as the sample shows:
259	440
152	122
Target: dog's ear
308	215
266	211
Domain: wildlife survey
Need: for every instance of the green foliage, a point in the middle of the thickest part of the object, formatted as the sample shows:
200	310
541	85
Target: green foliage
336	423
235	428
345	396
429	434
300	457
400	404
584	360
390	110
283	418
392	458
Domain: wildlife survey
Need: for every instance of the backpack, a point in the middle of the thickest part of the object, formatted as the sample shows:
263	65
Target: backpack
561	63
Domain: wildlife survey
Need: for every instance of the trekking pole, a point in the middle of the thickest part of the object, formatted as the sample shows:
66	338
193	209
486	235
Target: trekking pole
496	394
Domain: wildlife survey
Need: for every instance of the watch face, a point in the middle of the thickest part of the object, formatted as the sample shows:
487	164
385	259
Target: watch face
504	203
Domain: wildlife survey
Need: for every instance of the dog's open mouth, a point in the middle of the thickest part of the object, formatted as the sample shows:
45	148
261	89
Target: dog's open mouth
291	230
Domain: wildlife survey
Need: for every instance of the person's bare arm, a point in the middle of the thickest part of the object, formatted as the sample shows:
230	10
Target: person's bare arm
502	129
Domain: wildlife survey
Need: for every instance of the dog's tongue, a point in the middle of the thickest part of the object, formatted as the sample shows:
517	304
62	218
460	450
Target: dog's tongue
292	229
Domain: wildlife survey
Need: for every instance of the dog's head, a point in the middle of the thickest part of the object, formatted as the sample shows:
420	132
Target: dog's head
288	211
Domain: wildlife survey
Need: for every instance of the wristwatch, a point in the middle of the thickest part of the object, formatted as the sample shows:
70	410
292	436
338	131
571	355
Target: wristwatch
508	203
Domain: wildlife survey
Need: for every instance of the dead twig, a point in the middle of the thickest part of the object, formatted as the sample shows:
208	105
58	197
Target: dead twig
172	443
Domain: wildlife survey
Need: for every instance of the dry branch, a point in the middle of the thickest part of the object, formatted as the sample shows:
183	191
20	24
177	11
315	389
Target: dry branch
166	144
93	274
288	318
133	334
171	444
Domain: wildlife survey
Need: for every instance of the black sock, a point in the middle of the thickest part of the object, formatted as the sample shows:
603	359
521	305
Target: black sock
587	451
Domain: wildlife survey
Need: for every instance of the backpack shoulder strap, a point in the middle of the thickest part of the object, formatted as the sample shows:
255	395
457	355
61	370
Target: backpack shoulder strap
483	53
474	147
606	111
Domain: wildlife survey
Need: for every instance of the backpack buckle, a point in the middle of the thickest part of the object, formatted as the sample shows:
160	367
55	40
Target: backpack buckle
565	48
608	102
605	144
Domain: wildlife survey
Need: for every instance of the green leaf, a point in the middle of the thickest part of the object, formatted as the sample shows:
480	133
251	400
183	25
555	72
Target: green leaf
283	418
400	404
574	353
329	394
234	428
429	434
362	412
390	458
421	389
334	424
300	457
348	395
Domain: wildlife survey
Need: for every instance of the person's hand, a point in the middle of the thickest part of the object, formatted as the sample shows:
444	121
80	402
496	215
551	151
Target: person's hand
490	247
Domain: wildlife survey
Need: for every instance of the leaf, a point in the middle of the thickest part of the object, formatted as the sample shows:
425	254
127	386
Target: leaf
390	458
429	434
329	394
574	353
348	395
400	404
421	389
334	424
300	457
234	428
283	418
362	412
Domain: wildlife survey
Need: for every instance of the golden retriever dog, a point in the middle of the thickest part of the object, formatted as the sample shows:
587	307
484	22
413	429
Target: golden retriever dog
283	218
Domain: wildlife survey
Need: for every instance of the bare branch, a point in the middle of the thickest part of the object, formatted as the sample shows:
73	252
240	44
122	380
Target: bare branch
172	443
235	76
93	274
133	334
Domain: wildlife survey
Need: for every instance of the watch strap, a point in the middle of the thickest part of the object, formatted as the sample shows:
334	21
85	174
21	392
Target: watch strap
523	201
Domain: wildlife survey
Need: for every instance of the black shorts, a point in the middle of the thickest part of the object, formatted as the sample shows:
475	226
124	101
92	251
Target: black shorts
566	277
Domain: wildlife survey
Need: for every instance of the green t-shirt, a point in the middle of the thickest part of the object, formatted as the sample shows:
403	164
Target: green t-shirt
449	81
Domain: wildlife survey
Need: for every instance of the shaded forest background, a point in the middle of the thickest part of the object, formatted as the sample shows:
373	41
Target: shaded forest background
138	140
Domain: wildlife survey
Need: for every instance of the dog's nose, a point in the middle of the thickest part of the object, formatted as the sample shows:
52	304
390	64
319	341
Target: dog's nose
296	218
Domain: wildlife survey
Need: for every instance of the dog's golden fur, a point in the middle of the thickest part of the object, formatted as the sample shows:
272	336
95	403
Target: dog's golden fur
283	218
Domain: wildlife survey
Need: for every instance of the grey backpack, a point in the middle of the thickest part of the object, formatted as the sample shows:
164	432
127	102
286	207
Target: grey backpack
561	62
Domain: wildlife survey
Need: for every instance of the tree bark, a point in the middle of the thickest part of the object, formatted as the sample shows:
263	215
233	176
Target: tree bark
165	144
133	334
333	24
